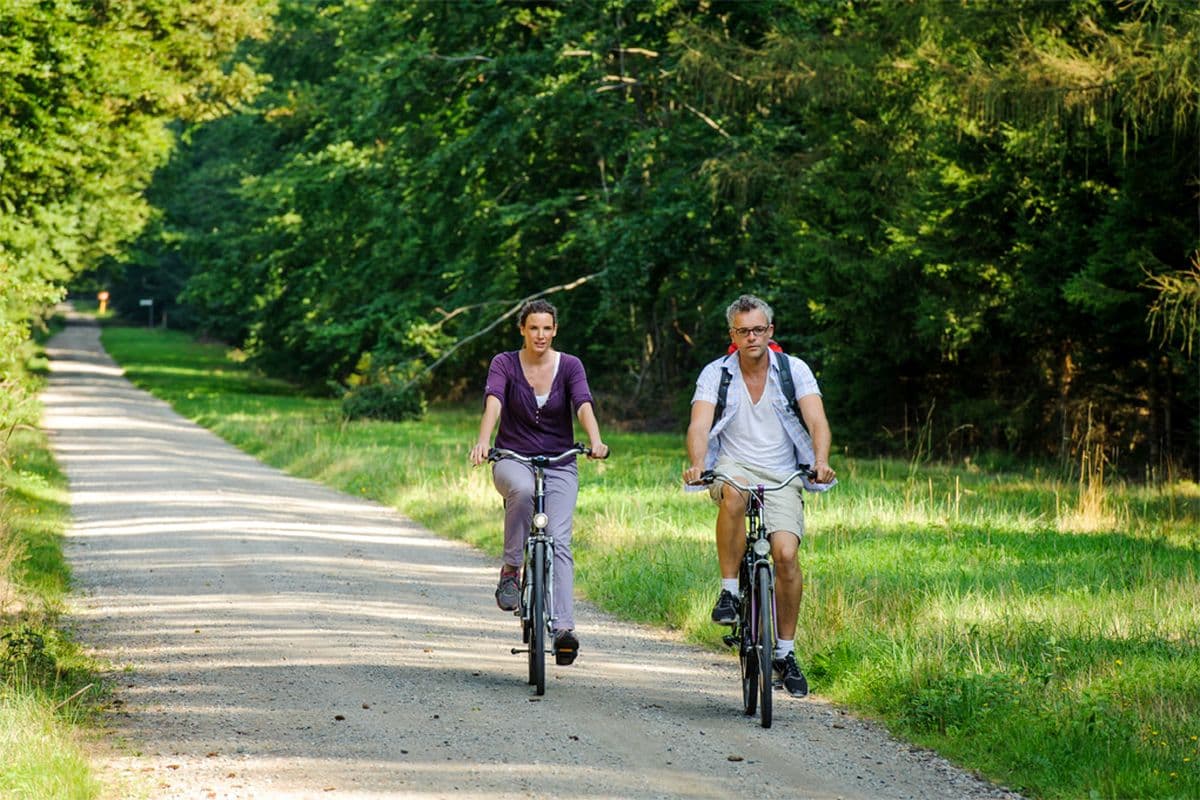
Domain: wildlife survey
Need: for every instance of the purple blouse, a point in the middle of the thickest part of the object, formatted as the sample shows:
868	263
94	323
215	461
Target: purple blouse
525	428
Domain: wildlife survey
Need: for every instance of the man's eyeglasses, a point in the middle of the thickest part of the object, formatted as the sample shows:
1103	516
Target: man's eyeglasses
757	330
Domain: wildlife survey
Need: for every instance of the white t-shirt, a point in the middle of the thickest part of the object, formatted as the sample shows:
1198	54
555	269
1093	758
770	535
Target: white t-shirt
542	398
755	435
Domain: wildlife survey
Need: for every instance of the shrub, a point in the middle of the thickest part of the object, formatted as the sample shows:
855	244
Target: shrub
386	401
23	656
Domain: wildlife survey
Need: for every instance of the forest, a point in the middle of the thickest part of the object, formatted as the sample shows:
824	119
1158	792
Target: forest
978	222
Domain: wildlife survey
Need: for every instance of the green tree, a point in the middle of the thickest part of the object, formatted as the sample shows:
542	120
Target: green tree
86	93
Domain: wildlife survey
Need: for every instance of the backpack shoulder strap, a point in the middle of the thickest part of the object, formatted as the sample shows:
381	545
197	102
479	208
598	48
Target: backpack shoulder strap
788	386
722	392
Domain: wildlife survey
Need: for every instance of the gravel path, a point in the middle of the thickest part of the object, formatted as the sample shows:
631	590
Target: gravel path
277	639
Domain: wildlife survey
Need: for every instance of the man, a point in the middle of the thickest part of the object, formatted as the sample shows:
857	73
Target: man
759	439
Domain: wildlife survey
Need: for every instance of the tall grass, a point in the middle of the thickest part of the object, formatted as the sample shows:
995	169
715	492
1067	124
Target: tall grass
40	755
994	616
46	683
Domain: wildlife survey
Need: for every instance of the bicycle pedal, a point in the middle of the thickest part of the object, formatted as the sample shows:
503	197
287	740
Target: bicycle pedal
730	641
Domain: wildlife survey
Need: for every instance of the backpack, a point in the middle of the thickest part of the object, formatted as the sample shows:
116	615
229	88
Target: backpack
786	385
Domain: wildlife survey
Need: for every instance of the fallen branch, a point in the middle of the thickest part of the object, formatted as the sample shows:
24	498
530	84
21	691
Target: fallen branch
72	697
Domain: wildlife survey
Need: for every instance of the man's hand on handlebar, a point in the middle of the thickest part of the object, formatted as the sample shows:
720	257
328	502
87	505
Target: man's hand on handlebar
598	450
693	476
822	473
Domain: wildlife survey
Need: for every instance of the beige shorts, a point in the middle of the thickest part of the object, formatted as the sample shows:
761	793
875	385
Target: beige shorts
784	508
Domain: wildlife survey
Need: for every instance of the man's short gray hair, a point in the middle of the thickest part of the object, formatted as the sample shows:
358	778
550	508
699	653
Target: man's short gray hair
745	304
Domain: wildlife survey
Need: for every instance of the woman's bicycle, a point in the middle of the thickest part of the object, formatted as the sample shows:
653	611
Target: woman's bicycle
754	633
537	573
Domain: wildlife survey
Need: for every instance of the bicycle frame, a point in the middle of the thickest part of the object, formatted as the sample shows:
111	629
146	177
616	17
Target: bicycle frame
756	631
756	558
537	573
539	535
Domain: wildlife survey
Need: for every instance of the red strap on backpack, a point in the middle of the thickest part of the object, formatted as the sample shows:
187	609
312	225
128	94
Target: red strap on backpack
771	345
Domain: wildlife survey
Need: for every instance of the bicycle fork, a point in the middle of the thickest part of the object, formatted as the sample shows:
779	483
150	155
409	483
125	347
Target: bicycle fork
538	535
745	633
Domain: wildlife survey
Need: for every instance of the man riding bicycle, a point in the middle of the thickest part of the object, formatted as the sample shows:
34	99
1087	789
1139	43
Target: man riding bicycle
759	436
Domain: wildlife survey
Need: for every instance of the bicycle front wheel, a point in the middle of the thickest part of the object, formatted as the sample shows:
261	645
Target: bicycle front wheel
747	653
537	620
749	680
766	642
526	578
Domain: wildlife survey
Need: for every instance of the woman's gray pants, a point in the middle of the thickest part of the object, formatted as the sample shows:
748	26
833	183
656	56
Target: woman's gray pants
514	482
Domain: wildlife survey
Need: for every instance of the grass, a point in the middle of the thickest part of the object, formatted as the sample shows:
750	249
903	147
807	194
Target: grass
40	757
47	685
1039	631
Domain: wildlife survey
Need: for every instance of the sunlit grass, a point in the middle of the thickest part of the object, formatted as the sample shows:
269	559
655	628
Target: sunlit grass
1050	641
44	678
40	758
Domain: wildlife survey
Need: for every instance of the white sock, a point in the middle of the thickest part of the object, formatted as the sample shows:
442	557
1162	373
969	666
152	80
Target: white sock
731	585
783	647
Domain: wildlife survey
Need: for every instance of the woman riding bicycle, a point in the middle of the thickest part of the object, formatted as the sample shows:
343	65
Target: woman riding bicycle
532	393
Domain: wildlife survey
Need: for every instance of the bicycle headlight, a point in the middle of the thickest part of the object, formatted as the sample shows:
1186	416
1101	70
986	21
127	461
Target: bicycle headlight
540	520
762	547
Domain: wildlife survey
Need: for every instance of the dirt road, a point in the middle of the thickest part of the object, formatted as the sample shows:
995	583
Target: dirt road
277	639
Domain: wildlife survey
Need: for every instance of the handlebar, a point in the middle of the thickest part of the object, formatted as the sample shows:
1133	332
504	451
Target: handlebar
711	476
577	449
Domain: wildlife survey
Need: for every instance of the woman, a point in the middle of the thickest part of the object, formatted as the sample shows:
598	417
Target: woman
532	393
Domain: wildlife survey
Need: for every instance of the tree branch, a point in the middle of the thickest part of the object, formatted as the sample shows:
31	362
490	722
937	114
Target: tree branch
707	119
455	59
564	287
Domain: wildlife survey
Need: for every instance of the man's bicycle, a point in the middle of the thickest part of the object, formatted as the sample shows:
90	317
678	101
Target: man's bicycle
754	633
537	573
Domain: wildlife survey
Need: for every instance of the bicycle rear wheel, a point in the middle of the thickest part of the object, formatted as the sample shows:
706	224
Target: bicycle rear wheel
537	620
765	642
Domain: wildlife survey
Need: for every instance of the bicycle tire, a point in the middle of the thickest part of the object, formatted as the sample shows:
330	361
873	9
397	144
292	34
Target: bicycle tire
747	655
765	644
537	620
525	576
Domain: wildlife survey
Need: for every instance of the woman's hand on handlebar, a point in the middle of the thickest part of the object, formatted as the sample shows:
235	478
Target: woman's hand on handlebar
479	453
598	449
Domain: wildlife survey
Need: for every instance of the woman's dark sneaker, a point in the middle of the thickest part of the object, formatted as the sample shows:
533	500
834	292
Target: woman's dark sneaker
725	611
790	676
566	647
508	593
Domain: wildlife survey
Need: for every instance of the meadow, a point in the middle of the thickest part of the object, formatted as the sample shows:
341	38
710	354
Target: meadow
1040	629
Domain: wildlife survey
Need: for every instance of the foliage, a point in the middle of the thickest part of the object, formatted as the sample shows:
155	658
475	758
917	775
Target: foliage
23	653
86	92
952	207
1176	310
389	395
